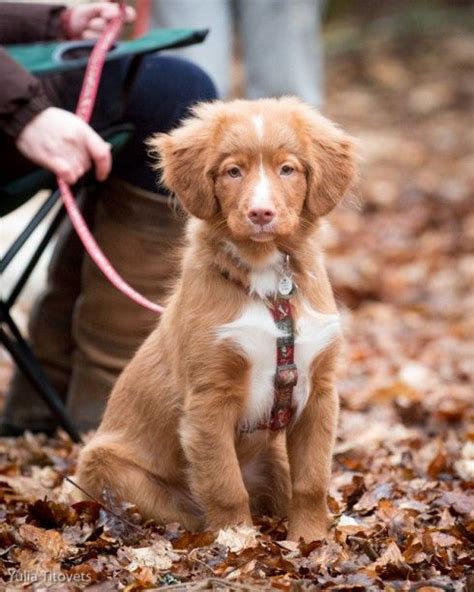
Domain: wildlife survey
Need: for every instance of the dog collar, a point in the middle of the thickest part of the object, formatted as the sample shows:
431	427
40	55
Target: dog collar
286	374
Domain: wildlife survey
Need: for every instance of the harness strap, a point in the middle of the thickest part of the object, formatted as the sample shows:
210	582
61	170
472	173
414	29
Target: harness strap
286	374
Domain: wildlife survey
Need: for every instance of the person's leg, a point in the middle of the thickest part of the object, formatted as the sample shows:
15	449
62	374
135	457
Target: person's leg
215	53
282	47
138	229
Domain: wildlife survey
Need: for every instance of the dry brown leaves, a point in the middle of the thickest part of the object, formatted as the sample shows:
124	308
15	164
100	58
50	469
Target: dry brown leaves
402	267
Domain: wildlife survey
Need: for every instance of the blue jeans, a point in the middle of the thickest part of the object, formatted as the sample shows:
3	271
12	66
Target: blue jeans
164	90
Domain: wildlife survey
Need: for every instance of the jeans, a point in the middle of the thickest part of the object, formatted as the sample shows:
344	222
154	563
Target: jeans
280	40
165	89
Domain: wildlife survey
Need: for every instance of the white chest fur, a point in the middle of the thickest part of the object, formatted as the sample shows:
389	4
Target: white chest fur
254	333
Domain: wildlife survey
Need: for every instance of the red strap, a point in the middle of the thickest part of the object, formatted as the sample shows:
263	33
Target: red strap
84	110
286	375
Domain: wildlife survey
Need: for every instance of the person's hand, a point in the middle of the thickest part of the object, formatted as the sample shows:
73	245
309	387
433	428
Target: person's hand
87	21
64	144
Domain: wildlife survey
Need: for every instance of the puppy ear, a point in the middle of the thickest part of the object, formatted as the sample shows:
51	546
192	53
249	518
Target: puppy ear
331	166
183	160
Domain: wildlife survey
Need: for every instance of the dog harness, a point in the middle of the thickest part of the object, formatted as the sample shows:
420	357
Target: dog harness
286	374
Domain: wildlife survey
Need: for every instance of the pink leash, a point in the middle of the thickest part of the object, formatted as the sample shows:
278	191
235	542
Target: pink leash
84	110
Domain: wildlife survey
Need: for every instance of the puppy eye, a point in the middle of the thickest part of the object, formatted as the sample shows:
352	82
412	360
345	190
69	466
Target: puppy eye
234	172
286	170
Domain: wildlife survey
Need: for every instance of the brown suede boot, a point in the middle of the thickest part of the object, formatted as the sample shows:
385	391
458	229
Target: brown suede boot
138	231
82	329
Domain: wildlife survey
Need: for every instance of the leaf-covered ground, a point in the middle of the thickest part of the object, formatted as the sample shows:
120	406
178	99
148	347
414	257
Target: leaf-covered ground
401	260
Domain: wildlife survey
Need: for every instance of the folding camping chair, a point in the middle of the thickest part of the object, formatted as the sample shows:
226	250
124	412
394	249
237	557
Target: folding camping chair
40	59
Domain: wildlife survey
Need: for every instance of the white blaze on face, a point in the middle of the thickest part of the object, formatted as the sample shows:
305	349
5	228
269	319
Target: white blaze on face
258	124
261	197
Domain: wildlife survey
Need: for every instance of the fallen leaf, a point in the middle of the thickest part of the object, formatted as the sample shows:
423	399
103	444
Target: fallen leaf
158	557
237	538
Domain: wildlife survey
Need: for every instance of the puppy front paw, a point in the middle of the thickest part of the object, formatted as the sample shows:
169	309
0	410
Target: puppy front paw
306	530
219	517
310	526
309	517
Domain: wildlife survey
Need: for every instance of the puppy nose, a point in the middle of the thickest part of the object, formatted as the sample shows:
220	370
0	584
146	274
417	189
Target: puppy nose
261	216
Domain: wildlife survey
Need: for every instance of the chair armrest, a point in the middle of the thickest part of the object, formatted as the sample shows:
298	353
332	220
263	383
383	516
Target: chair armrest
44	58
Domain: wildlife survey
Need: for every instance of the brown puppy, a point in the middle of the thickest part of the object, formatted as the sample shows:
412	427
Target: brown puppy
181	435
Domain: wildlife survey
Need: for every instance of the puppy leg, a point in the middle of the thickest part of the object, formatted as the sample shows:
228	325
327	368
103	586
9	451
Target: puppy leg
310	443
108	466
268	480
208	441
279	477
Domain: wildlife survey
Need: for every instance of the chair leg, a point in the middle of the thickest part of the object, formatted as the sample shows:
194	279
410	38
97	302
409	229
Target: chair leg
10	335
26	361
40	215
31	265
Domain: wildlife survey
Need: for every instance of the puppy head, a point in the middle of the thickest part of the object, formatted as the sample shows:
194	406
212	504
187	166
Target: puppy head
261	166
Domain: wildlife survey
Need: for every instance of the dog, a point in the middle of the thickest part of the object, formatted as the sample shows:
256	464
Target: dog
229	408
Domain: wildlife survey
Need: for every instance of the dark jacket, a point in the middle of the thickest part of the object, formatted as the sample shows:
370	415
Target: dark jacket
22	95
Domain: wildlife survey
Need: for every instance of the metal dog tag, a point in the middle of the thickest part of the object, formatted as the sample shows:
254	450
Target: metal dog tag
285	286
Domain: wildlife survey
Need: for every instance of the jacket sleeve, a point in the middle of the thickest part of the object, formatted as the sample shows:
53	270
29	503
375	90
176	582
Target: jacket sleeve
25	23
21	94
